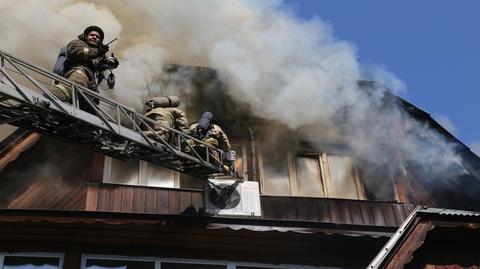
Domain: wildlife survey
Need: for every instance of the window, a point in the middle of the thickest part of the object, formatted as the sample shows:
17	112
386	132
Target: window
342	176
118	264
135	172
311	175
91	261
274	167
31	260
177	265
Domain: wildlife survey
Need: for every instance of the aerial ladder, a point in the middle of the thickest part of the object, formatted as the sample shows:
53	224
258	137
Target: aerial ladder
114	129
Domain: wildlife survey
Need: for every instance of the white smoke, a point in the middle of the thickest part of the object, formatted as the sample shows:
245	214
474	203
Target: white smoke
287	69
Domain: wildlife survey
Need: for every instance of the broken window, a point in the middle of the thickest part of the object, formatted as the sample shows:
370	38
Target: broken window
342	176
309	180
311	175
274	172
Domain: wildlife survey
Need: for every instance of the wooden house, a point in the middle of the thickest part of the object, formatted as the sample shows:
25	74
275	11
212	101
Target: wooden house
62	206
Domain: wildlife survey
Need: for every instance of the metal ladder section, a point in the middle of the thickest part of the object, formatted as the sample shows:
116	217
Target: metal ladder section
114	130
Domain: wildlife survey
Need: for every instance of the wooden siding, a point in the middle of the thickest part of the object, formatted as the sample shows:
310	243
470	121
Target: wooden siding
50	175
56	175
138	199
335	210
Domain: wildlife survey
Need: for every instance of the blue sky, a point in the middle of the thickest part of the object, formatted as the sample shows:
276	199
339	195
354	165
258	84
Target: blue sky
432	46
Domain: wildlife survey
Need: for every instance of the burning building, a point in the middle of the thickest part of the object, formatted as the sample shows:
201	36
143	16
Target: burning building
304	203
332	165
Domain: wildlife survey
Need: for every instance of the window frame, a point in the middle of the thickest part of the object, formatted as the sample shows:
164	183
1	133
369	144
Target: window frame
325	174
158	261
59	255
143	168
142	174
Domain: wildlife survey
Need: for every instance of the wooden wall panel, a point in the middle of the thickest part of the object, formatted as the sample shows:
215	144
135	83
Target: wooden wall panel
162	201
301	211
367	214
127	199
399	214
334	210
140	199
150	201
185	200
323	212
49	175
197	200
355	212
173	202
378	217
388	214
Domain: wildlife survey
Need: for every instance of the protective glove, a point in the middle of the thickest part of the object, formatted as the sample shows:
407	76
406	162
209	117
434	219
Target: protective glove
102	49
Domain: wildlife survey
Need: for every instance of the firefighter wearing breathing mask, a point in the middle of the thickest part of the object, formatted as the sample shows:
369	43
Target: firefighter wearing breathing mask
210	133
164	111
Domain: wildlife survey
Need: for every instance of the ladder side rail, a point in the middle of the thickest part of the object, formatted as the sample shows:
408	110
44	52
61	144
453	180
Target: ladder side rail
41	71
143	135
8	121
97	112
35	68
76	89
2	66
83	116
14	84
133	116
85	91
94	106
45	91
183	137
127	134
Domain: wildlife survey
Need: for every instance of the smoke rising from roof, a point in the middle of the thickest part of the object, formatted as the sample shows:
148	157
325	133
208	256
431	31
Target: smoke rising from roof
286	69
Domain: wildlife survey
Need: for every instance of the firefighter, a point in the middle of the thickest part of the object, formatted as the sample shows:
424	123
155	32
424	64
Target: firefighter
83	56
164	111
211	134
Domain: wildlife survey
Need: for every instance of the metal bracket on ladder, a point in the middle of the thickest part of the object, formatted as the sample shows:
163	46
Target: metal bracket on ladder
114	130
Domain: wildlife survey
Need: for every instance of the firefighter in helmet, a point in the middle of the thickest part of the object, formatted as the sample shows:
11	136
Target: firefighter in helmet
164	111
83	56
211	134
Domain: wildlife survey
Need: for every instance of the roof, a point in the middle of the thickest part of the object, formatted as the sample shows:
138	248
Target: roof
196	237
456	232
16	143
200	222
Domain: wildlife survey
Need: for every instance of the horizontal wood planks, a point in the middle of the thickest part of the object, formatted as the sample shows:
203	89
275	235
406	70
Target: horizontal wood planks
139	199
50	175
334	210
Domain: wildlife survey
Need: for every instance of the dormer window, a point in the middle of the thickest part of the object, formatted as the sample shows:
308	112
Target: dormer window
309	174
